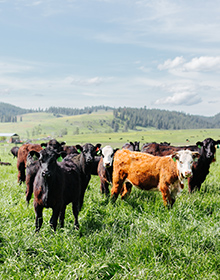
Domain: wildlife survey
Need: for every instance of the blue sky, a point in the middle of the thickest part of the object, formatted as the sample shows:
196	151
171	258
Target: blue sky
161	54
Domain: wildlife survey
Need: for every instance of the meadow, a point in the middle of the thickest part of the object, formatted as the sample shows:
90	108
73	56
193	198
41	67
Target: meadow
134	239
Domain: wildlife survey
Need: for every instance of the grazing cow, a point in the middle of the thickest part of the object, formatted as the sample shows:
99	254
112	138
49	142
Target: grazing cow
201	167
132	146
105	168
84	161
55	185
14	151
149	172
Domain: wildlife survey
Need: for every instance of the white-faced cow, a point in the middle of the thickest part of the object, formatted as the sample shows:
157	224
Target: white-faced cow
105	168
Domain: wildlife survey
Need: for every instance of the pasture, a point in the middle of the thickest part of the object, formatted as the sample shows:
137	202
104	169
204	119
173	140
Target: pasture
134	239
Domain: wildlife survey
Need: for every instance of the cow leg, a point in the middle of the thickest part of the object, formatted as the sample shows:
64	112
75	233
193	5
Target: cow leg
54	217
75	209
62	216
39	216
29	188
126	190
21	173
104	187
116	188
167	199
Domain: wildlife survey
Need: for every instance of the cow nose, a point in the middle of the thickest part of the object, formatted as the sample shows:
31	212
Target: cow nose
107	164
188	174
46	173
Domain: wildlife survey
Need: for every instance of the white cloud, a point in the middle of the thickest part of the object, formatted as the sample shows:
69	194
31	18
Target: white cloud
170	64
203	63
184	98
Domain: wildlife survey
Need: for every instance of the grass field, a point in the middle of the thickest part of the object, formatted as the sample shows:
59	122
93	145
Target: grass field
134	239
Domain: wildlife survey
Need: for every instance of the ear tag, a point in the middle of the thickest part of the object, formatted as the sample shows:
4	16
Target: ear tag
59	159
79	151
35	157
98	152
199	146
174	159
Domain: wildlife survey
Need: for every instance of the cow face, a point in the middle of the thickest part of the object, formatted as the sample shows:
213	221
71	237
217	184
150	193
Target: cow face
107	154
136	146
90	151
208	148
185	159
54	145
47	160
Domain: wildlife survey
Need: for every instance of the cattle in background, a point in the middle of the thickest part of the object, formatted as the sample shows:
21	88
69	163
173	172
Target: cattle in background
84	161
71	149
22	159
14	151
54	144
55	185
164	149
105	168
148	172
201	167
132	146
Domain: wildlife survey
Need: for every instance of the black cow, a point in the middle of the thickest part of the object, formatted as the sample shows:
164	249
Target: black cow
84	162
55	185
32	165
14	151
201	168
132	146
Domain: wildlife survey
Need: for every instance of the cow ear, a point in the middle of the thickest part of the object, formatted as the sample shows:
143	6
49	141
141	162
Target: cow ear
195	156
35	155
199	144
97	149
63	143
61	156
43	145
175	157
79	148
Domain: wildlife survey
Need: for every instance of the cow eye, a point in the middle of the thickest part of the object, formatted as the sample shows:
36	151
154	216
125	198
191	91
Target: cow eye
181	162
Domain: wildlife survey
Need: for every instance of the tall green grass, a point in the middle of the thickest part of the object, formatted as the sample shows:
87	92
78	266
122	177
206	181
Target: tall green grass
134	239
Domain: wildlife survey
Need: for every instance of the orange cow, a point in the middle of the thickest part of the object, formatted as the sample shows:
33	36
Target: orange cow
148	172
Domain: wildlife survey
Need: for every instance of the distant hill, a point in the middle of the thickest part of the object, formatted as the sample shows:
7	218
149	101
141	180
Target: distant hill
124	119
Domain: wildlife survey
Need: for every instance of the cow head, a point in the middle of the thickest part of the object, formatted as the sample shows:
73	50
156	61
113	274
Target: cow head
54	144
208	148
184	160
108	154
47	160
136	146
89	151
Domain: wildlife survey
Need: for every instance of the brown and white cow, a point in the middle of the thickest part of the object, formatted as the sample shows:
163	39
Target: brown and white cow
148	172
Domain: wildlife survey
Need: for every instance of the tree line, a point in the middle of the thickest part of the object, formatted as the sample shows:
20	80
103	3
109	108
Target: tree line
124	118
162	119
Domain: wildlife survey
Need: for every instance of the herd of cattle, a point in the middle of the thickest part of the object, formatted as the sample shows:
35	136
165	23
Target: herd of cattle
58	174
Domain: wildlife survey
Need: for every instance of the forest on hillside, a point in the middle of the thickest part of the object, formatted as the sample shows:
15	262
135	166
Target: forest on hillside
123	117
162	119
